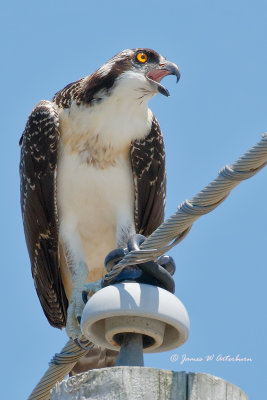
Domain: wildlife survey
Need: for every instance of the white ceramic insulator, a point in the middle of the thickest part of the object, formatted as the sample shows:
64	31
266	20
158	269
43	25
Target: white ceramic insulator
134	307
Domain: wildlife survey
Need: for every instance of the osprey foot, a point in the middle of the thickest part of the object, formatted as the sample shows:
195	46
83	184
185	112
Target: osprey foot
74	313
89	289
83	344
157	273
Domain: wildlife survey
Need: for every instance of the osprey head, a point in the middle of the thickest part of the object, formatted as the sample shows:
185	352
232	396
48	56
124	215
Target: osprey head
154	67
136	72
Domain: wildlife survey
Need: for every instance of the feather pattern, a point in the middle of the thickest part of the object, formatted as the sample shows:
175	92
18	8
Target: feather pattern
38	167
149	174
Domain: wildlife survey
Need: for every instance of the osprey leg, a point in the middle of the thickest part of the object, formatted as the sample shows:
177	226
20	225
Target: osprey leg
76	304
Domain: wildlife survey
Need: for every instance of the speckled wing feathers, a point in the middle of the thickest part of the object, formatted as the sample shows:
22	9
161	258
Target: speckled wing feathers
63	98
149	174
38	166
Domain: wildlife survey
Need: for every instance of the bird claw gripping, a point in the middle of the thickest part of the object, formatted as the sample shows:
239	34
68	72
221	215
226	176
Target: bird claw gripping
158	273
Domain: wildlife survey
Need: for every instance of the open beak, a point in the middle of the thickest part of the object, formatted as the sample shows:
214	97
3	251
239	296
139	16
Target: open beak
166	68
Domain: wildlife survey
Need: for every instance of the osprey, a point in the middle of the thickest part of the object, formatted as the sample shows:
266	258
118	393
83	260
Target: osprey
92	175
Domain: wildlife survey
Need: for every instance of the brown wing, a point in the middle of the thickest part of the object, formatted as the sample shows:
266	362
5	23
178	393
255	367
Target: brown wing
148	165
38	168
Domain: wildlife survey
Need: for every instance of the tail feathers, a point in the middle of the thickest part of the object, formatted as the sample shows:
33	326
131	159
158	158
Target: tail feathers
98	357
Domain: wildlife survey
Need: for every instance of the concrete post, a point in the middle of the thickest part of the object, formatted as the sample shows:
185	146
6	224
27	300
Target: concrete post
142	383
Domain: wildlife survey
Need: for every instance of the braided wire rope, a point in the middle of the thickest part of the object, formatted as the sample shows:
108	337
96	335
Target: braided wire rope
166	236
175	228
60	365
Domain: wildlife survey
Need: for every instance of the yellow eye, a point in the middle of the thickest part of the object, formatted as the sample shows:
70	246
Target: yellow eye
141	57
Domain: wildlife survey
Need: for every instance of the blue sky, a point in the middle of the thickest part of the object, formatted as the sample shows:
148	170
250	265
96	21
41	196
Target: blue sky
215	113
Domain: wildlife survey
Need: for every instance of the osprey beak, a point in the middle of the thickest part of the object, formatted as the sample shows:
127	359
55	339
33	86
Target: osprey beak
166	68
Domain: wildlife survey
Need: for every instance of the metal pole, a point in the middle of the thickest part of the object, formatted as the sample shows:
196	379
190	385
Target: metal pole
131	352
